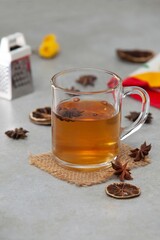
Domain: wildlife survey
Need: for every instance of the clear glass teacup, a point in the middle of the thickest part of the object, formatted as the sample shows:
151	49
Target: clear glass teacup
86	117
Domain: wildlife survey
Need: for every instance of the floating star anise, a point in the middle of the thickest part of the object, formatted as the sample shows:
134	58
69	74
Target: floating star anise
121	170
134	115
68	114
17	133
139	154
87	80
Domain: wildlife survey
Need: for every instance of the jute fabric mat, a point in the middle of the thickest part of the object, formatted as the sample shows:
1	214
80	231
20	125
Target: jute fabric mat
46	163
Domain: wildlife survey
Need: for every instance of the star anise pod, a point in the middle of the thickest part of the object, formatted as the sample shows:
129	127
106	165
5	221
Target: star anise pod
139	154
68	114
134	115
121	170
42	112
17	133
87	80
41	116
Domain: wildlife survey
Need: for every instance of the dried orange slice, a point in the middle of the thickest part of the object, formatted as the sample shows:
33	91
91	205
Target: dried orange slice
122	190
41	116
136	56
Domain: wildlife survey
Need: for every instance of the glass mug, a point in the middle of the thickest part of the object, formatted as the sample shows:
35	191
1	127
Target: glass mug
86	117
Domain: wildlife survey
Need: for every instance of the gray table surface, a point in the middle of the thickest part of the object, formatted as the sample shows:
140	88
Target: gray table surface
35	205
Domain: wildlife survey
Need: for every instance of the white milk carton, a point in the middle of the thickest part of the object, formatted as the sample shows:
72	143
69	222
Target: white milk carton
15	67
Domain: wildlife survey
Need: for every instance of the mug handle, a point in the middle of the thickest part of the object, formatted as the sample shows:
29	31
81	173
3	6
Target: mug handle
127	131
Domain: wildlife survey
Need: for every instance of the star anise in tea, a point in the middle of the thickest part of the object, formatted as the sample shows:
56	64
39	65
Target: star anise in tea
17	133
122	190
122	170
139	154
87	80
137	56
65	114
134	115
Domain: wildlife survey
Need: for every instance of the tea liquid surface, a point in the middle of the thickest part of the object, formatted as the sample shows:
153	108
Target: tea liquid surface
85	132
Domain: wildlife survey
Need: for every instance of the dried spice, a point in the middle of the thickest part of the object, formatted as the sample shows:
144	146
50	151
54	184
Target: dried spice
136	56
121	170
134	115
140	154
149	118
65	114
41	116
72	89
17	133
122	190
87	80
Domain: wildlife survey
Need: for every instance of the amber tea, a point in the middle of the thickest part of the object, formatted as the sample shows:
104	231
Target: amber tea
85	132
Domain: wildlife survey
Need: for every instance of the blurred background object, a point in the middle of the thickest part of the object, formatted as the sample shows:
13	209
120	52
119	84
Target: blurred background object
15	67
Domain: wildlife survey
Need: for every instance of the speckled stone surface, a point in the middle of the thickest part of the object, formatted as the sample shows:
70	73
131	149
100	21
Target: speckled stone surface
33	204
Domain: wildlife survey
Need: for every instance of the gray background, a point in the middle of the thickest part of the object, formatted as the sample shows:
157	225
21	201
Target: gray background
33	204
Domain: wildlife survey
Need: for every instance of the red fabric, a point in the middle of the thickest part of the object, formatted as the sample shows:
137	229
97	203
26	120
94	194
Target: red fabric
153	93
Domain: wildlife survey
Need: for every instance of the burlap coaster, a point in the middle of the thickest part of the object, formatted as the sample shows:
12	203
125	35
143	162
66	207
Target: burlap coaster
48	164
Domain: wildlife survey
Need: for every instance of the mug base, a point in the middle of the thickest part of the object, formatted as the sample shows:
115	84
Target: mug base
78	167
